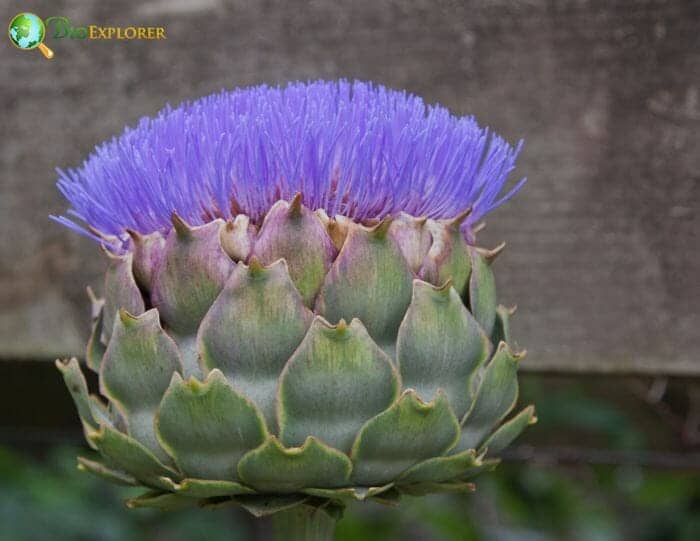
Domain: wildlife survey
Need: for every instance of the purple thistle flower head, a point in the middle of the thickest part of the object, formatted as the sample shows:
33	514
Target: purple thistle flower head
355	149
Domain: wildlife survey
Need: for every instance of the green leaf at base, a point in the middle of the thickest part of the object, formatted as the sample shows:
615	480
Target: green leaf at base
507	432
99	469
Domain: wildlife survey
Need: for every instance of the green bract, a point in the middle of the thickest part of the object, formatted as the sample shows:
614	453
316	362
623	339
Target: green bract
311	360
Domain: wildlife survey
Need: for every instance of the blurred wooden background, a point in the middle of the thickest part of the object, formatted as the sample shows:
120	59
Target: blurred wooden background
603	257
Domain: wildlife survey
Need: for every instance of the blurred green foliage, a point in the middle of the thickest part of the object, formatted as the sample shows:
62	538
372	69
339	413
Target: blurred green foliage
541	503
52	500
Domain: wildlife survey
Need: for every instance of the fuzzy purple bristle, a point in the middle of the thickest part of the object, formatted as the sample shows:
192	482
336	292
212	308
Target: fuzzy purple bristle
356	149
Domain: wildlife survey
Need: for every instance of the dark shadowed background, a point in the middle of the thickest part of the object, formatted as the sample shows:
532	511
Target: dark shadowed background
603	253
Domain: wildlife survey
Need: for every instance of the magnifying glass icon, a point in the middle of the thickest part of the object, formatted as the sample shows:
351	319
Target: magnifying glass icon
27	31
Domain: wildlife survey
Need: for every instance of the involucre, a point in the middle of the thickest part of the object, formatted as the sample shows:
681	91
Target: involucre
295	311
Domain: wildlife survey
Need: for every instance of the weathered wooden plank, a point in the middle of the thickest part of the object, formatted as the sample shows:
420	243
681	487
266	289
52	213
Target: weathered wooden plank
602	255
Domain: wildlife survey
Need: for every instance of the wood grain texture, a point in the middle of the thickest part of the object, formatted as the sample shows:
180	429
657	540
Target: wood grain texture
603	256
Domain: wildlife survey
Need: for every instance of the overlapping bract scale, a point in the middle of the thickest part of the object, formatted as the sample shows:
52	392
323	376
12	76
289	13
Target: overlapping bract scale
252	329
190	275
440	346
208	426
336	380
294	233
313	359
136	369
370	280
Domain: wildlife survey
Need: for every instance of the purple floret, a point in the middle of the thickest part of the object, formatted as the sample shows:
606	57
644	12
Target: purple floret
356	149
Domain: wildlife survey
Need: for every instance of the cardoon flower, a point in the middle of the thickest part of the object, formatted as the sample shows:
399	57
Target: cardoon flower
295	313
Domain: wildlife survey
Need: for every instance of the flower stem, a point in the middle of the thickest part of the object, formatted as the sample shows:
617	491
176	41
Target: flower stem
303	523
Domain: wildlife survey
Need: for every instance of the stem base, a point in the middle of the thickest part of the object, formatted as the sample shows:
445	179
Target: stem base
303	523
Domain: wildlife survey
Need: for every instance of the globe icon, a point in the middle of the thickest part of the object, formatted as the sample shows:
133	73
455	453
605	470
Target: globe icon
27	31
